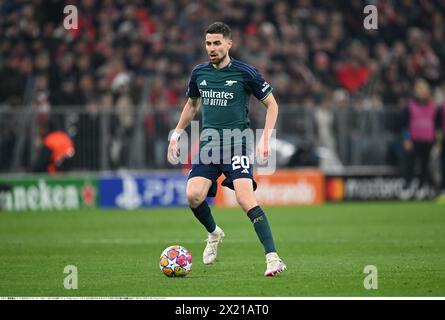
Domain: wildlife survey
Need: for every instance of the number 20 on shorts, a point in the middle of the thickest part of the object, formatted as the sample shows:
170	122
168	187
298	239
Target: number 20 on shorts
240	162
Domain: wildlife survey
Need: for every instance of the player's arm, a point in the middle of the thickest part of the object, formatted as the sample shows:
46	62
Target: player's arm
271	105
262	90
188	113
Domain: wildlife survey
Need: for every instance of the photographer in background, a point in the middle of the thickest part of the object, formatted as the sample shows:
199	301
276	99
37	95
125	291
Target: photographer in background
56	152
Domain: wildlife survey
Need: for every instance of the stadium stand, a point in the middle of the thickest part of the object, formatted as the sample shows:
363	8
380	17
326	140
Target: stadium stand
316	54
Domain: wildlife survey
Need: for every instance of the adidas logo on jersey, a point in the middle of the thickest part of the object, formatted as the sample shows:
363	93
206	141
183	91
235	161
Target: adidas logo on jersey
245	171
203	83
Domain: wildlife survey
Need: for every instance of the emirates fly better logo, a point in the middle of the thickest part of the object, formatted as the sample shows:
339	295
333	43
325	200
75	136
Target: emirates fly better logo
216	98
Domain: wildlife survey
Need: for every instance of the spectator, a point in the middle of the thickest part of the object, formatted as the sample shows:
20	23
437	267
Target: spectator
156	37
419	133
354	72
68	95
300	46
87	126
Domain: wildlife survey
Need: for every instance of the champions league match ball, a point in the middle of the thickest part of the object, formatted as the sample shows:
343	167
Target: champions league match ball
175	261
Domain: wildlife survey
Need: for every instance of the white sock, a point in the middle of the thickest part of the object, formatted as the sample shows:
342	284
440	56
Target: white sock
272	255
216	232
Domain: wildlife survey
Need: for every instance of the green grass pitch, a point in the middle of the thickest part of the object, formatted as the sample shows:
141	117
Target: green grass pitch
326	249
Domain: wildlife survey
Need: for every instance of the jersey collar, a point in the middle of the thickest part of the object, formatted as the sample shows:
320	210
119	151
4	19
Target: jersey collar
225	67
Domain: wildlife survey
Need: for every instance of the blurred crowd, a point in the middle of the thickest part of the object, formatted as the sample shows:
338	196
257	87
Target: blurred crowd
311	51
315	53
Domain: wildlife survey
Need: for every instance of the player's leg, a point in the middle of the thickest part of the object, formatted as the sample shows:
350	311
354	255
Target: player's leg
197	190
246	199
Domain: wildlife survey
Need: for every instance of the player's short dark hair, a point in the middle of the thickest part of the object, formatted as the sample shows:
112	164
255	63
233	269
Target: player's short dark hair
220	28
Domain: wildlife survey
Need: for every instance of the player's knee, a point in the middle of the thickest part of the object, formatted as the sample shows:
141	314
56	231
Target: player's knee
195	197
246	203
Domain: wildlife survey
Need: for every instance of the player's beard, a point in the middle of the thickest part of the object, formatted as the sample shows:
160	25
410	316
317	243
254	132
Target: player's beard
218	62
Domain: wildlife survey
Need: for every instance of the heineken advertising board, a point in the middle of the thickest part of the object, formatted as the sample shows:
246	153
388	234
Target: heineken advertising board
48	193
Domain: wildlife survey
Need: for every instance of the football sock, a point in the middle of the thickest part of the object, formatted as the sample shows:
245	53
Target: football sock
262	228
203	214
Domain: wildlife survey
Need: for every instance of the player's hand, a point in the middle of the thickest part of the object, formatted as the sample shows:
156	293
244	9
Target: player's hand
263	150
408	145
173	152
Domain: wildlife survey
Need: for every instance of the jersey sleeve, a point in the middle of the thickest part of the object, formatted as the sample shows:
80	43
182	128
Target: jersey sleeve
192	89
259	87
